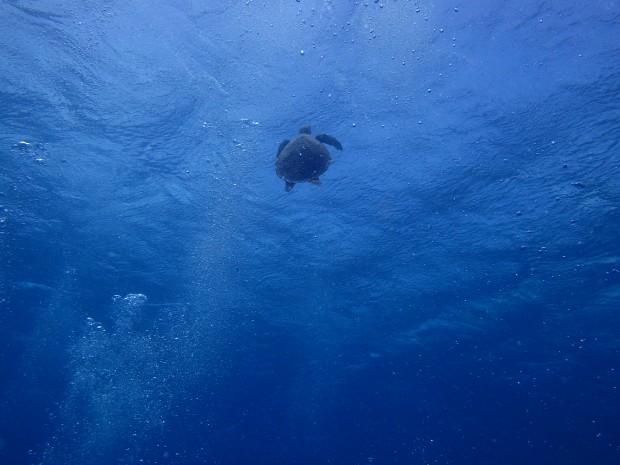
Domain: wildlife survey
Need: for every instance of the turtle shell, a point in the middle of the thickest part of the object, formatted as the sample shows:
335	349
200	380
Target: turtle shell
303	159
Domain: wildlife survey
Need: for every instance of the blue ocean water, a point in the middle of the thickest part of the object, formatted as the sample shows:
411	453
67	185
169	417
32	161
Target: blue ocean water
449	295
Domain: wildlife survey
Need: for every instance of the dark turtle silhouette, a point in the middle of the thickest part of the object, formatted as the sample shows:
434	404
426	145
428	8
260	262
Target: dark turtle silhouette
304	158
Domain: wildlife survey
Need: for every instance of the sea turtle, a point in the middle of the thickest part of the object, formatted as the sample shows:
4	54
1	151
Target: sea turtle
304	158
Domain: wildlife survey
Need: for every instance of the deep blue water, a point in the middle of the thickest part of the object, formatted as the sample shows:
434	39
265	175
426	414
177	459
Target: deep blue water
449	295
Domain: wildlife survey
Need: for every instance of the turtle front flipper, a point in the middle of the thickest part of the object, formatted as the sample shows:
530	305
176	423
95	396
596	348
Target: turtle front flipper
331	140
283	144
288	186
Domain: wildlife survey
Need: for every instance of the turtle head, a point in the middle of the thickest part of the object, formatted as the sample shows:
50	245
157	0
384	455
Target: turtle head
305	129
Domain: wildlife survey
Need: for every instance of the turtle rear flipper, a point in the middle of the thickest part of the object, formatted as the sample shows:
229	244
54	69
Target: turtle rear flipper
315	181
283	144
288	185
331	140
